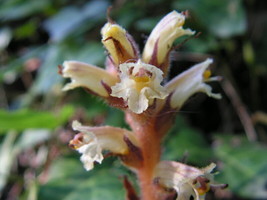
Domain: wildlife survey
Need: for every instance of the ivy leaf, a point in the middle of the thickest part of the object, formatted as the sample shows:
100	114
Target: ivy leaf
185	141
244	166
222	18
25	119
70	181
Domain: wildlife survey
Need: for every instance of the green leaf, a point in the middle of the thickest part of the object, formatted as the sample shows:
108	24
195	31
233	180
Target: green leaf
70	181
147	24
185	141
17	9
27	29
223	18
115	117
244	166
70	19
25	119
56	54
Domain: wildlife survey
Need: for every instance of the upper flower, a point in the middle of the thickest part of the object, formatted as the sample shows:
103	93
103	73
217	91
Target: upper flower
160	41
119	43
135	83
190	82
87	76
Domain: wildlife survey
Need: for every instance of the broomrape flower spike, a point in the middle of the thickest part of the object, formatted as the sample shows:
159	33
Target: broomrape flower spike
134	83
139	86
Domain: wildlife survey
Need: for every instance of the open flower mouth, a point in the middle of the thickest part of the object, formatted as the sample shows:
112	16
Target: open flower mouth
139	86
141	82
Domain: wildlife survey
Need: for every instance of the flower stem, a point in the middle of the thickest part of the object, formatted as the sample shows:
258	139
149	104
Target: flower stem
151	150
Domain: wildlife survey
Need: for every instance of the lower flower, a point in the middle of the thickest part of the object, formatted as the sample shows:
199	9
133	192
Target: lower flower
188	182
91	141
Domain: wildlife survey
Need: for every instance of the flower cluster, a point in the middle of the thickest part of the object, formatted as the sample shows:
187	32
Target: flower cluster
134	83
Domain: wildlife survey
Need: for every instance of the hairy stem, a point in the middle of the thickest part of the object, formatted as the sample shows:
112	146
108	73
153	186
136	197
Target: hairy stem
151	150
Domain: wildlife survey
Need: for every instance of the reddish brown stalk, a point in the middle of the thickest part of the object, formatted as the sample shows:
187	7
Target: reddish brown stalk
144	127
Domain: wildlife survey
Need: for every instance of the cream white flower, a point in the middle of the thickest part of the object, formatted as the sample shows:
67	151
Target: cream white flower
91	141
87	76
90	150
190	82
162	37
139	86
186	180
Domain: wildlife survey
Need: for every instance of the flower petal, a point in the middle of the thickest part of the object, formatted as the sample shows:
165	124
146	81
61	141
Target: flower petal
139	86
88	76
91	141
161	39
189	83
183	178
109	138
119	43
91	152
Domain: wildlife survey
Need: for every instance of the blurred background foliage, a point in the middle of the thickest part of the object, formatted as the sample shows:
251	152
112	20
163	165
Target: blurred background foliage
35	116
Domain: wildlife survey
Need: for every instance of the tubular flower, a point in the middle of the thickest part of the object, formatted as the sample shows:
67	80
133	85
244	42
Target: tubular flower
139	86
190	82
91	141
161	39
188	182
87	76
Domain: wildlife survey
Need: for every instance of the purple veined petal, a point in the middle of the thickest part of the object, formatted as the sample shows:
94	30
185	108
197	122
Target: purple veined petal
161	39
119	43
190	82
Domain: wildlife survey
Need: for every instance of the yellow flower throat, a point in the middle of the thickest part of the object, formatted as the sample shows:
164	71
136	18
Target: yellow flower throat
141	82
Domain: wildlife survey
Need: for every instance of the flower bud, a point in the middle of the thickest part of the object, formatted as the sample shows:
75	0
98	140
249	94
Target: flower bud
119	43
160	41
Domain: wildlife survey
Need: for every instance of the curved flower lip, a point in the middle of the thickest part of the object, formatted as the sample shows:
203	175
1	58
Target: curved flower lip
88	76
190	82
139	86
161	39
119	43
87	144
